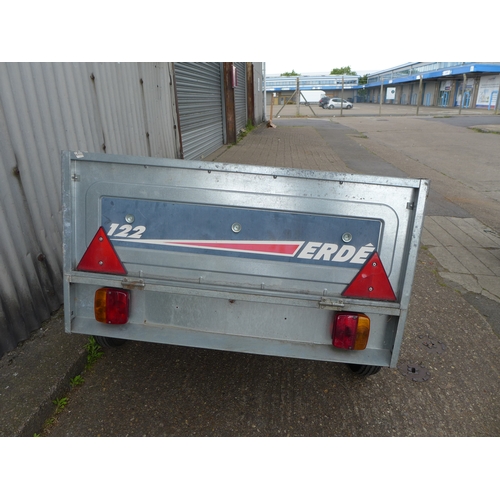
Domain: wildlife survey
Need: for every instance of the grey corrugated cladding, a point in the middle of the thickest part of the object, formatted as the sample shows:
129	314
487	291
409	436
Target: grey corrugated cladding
121	108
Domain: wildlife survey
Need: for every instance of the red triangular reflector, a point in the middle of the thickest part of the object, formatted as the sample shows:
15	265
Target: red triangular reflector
371	282
101	257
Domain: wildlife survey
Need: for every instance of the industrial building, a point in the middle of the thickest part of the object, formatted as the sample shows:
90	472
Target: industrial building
281	89
442	84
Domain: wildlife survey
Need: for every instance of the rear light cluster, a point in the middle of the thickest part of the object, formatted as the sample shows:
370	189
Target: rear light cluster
111	306
350	331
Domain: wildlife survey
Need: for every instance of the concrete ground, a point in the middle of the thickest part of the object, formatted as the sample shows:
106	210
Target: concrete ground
460	246
462	167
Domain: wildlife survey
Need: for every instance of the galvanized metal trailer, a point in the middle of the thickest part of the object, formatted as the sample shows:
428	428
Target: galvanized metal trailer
274	261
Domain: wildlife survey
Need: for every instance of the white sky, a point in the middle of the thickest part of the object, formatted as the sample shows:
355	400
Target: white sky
306	38
365	61
366	57
322	65
381	39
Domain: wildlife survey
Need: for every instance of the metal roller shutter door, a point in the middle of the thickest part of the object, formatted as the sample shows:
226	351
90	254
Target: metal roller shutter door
240	96
200	105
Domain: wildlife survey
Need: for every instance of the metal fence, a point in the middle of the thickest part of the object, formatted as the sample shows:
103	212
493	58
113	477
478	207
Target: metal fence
122	108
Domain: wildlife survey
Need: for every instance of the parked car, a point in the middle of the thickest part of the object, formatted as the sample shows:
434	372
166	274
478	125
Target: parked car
335	103
323	101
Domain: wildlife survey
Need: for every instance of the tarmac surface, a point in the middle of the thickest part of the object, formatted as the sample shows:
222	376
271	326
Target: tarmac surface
451	340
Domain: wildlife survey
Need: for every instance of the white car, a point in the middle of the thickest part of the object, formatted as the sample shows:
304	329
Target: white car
335	103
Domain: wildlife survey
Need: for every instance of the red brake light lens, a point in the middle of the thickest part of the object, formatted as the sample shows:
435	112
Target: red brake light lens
101	257
350	331
111	305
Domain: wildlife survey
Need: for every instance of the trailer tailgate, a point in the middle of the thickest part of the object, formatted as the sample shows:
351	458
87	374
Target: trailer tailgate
244	258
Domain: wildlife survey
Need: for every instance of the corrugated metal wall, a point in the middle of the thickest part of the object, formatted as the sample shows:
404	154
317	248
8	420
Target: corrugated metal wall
199	88
120	108
240	96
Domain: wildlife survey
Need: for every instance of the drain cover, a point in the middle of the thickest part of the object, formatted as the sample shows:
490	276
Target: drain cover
416	372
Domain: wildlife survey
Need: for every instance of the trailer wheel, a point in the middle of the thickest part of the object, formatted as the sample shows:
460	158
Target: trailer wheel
109	341
364	370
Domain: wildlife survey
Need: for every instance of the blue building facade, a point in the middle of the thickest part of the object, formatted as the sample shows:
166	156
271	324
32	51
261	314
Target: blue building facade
442	84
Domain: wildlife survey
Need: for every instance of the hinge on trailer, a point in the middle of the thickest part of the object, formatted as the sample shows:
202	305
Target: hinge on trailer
331	305
410	205
133	284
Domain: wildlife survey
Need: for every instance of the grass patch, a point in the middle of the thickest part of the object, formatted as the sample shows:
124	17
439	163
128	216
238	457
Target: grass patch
76	381
60	404
94	351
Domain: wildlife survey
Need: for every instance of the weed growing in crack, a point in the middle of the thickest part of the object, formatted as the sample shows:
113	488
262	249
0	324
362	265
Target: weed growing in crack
94	351
60	403
76	381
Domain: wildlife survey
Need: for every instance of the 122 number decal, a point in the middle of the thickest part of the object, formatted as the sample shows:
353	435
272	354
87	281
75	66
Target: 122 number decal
126	231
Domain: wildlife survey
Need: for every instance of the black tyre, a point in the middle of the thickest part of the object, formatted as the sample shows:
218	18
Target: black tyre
331	107
109	341
364	370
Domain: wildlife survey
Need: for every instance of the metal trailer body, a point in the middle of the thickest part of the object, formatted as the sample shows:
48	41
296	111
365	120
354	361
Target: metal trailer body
241	258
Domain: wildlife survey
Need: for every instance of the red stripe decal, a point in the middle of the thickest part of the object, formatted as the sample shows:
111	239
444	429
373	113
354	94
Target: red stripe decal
284	248
280	248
